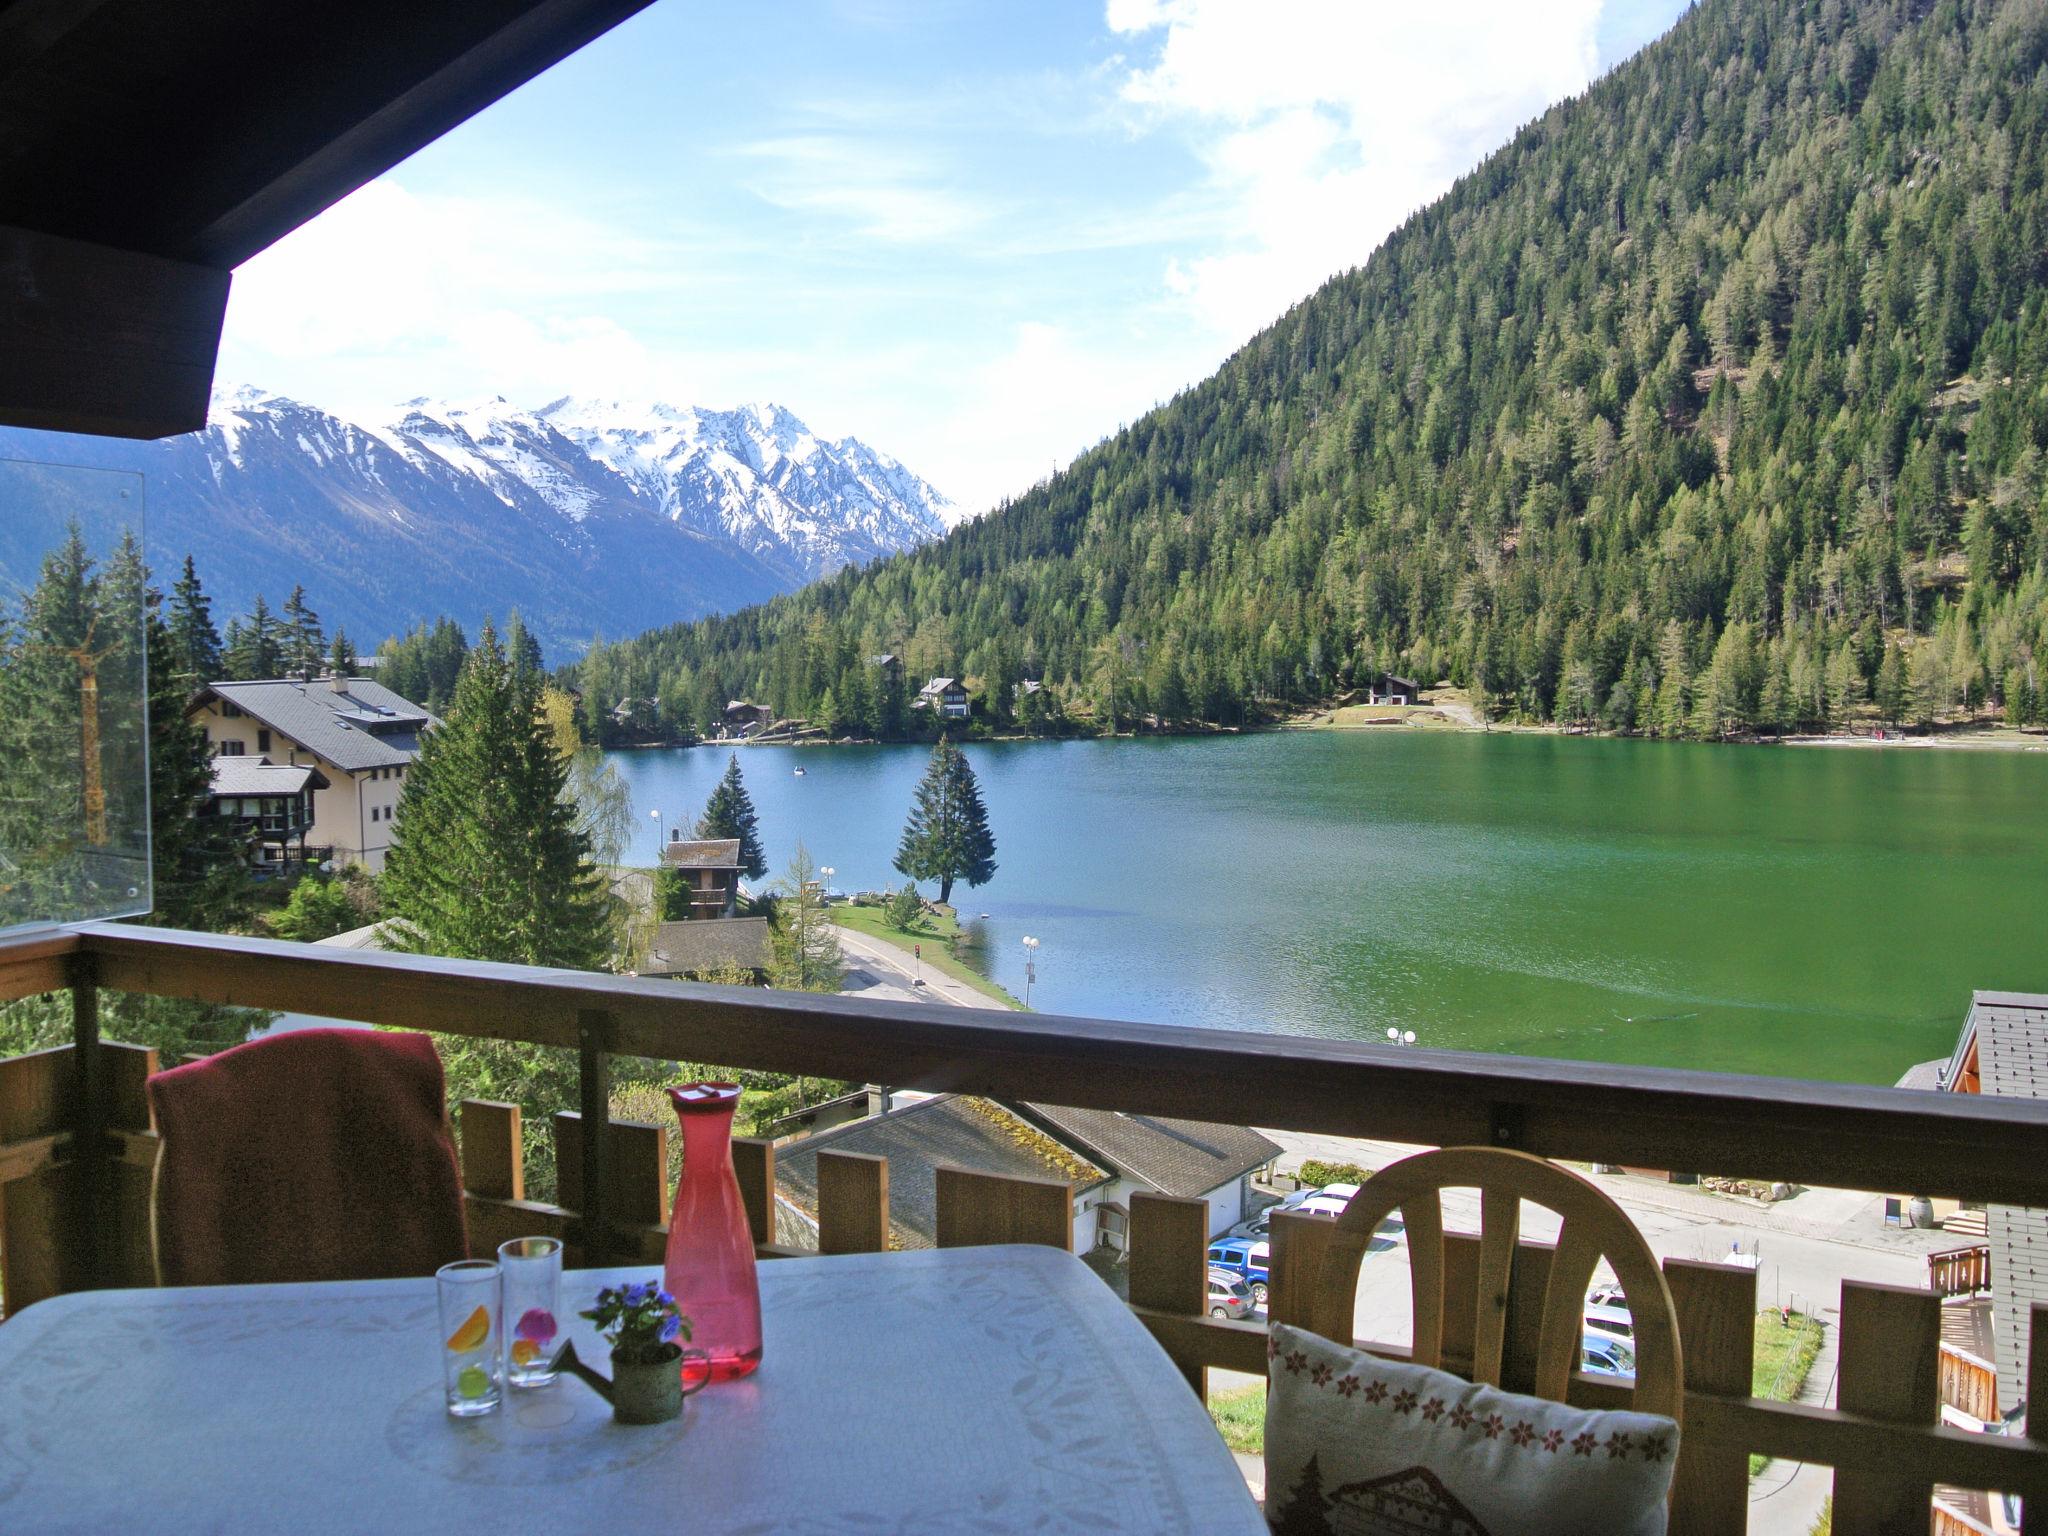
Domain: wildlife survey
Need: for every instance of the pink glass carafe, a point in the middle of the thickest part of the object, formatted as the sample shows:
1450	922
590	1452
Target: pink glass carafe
710	1260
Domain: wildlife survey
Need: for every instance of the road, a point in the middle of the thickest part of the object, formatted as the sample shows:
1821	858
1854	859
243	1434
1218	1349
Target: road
879	970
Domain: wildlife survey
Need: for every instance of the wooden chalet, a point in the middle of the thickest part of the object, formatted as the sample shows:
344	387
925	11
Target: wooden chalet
712	867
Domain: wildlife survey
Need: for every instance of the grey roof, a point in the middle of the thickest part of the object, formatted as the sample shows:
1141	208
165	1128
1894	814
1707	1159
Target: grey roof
2012	1060
1924	1074
955	1129
360	725
936	686
702	853
708	944
260	776
1175	1157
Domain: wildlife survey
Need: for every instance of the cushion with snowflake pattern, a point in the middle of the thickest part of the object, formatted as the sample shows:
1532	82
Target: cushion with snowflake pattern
1369	1447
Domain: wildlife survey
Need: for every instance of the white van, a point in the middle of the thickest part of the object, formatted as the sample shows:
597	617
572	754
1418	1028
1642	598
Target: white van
1611	1323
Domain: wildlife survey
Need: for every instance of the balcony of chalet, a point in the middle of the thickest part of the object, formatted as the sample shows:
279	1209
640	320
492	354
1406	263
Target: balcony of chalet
77	1148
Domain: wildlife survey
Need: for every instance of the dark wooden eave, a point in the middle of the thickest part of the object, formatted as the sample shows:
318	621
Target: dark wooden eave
147	147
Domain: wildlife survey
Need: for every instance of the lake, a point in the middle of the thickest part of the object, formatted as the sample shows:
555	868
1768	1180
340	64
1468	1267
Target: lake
1809	912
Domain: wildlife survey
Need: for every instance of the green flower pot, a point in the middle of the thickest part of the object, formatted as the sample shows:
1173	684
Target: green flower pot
648	1391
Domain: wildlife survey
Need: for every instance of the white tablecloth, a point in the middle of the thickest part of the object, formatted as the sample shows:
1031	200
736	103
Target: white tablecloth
971	1390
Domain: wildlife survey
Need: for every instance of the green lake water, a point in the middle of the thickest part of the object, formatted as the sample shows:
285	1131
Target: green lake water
1808	912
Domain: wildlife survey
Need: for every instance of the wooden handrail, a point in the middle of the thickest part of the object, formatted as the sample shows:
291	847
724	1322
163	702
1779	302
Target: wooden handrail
1835	1134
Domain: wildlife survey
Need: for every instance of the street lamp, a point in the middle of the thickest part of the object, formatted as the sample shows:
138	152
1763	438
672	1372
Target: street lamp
1399	1037
1030	966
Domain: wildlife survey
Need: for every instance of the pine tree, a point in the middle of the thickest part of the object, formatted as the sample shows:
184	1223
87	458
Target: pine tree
341	656
947	837
1307	1511
487	862
195	644
1891	685
730	813
804	944
302	643
256	645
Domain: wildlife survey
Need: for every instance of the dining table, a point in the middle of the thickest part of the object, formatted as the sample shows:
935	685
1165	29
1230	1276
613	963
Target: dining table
985	1390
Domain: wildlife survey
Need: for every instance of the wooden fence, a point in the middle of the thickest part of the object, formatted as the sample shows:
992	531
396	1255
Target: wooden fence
1960	1271
76	1147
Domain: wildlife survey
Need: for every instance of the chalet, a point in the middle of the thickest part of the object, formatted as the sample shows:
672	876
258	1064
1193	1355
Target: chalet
889	664
709	946
1988	1287
1189	1159
360	735
273	802
956	1130
743	718
1105	1156
712	866
1387	688
945	696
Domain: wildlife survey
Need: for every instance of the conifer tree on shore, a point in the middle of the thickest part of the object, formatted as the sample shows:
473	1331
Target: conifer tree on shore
488	862
946	837
730	813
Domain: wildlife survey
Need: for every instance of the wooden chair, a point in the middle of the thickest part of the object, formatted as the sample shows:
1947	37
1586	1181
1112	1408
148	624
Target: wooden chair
1594	1228
319	1154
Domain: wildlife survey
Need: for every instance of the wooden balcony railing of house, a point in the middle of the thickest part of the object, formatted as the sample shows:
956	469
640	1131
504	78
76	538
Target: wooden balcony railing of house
1960	1271
76	1148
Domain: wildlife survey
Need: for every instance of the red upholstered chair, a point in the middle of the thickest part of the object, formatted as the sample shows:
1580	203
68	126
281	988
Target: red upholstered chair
320	1154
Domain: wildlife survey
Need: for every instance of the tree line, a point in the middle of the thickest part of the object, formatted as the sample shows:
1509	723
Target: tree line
1713	401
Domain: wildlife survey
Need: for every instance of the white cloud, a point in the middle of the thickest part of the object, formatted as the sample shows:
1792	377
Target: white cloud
393	293
884	192
1323	123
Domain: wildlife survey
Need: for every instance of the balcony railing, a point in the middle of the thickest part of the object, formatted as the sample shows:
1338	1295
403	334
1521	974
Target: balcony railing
76	1149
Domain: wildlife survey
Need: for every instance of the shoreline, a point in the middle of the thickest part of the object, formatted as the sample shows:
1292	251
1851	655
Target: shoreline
1971	738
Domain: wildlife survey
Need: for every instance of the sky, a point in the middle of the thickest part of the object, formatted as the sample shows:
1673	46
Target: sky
978	236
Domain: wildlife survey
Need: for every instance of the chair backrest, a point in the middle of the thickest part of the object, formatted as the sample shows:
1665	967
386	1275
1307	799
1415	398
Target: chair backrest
319	1154
1594	1227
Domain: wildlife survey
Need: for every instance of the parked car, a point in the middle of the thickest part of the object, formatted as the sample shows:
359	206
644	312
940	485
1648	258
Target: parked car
1228	1296
1245	1258
1601	1356
1259	1227
1612	1323
1322	1205
1606	1295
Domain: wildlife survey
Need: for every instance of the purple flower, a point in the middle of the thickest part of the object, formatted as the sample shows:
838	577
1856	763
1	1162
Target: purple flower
670	1327
663	1299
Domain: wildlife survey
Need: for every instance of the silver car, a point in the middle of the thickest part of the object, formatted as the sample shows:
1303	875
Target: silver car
1228	1295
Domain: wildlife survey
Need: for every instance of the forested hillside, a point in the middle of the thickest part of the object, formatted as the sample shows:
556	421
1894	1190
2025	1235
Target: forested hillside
1716	398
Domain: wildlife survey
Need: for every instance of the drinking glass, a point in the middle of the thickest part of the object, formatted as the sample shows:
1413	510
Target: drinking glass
532	1268
472	1355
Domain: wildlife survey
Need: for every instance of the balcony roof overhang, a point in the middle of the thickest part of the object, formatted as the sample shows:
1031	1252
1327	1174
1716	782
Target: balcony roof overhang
148	149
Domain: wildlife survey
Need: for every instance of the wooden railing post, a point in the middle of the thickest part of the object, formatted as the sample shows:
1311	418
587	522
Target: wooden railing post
978	1209
1168	1268
753	1164
493	1160
853	1202
1299	1244
89	1173
594	1079
1890	1348
1716	1306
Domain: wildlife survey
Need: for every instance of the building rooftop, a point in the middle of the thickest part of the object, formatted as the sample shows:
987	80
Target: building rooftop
1175	1157
2008	1032
360	724
1926	1075
708	944
260	776
936	686
702	853
955	1129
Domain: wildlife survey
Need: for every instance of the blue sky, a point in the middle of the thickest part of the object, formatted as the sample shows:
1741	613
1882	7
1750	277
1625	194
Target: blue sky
979	236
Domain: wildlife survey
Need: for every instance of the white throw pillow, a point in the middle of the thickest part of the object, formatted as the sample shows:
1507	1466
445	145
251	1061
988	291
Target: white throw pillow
1359	1446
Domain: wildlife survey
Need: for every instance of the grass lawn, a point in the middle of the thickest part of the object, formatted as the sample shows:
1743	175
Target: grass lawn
1783	1357
935	933
1241	1415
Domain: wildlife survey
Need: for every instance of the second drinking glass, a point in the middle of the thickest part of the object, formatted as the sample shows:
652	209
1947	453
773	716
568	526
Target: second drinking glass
532	1268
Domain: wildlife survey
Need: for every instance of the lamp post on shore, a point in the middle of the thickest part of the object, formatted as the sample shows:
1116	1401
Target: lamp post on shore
1400	1037
1030	967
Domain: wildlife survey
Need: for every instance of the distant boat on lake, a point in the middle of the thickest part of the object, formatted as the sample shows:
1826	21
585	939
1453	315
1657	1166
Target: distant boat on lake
799	772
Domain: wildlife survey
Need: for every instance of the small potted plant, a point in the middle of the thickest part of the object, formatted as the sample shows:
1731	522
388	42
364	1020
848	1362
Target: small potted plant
642	1324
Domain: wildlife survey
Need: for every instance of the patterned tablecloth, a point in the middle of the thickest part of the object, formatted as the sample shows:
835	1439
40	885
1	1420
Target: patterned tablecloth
969	1390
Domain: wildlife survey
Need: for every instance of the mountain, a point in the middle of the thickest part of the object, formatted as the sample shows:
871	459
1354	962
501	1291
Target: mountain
1716	398
582	515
